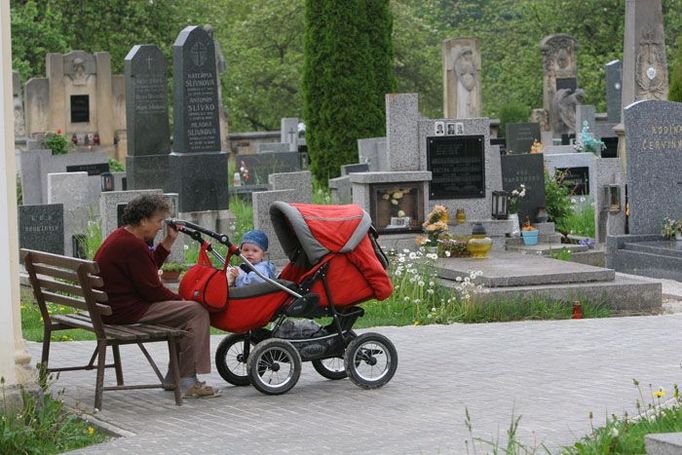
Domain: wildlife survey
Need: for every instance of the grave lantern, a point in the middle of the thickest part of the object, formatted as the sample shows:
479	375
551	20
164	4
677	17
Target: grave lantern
95	139
500	206
107	181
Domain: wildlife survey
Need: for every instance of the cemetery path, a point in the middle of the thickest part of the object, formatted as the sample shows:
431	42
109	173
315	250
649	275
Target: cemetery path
551	373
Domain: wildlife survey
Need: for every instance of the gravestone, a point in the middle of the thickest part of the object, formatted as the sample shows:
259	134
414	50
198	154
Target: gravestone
614	90
260	166
457	167
37	164
289	133
80	205
461	78
273	147
373	152
586	113
340	188
576	179
41	227
36	106
653	136
529	170
300	182
261	218
520	137
198	168
350	168
559	70
402	115
18	106
645	68
147	118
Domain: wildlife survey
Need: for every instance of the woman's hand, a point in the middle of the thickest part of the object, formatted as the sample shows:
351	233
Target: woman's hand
171	235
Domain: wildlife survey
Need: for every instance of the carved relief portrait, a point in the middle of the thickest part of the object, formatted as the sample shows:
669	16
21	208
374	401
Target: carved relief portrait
650	67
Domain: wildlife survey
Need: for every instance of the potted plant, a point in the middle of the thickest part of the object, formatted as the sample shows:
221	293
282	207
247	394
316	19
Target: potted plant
170	271
529	233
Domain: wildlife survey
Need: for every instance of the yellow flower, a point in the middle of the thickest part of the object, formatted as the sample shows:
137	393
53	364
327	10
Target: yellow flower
91	430
660	392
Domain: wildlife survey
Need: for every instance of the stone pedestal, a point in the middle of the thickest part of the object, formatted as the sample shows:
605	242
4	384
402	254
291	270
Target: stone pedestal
147	172
200	179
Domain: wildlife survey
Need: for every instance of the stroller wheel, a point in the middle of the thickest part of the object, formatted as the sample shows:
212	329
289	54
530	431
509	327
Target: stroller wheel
332	368
274	366
231	361
371	360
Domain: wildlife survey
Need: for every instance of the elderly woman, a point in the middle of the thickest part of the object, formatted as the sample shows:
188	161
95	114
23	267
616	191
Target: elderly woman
129	267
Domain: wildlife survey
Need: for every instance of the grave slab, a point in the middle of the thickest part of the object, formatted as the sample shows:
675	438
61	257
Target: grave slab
503	269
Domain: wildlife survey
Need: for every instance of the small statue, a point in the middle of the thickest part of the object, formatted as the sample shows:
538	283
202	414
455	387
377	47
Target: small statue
563	107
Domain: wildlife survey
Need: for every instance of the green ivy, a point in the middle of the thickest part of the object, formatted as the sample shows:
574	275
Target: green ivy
557	201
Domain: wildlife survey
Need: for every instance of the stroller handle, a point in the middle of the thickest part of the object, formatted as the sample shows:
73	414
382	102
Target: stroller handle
222	238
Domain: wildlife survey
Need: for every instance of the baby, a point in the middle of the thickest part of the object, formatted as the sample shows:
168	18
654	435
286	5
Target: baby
254	247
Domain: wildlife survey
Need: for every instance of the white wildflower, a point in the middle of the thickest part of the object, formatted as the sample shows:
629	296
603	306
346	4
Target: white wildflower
447	254
459	278
429	291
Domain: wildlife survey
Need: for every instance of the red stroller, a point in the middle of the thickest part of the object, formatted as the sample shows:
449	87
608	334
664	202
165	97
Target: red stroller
335	264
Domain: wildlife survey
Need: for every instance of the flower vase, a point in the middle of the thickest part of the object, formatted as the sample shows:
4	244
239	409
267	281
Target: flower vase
516	227
530	237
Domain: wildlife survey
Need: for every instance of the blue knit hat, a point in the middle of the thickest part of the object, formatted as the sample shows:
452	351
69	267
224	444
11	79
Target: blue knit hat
256	237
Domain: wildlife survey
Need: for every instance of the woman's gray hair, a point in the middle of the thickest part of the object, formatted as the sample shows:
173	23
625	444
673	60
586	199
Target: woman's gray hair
144	206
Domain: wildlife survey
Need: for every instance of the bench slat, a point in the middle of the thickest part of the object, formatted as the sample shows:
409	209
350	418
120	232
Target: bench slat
69	275
52	285
75	303
123	331
41	257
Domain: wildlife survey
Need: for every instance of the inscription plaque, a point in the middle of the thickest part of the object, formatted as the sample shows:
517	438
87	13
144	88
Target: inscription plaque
576	179
457	165
80	108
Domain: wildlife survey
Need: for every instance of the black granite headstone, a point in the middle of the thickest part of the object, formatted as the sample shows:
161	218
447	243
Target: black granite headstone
147	101
614	90
611	150
527	169
198	167
576	179
567	139
457	165
91	169
195	94
520	136
41	227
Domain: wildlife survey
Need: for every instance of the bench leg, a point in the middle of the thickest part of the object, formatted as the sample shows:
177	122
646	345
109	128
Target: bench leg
175	369
45	356
117	364
101	358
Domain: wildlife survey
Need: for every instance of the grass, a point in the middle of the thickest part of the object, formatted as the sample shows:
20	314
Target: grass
581	221
42	426
619	435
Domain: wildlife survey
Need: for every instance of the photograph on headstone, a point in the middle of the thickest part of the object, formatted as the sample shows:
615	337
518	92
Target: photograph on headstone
439	128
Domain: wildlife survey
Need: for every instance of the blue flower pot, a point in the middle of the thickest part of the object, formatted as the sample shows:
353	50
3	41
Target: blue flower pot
530	237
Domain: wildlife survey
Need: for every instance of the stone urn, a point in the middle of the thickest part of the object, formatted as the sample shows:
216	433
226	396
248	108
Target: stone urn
479	244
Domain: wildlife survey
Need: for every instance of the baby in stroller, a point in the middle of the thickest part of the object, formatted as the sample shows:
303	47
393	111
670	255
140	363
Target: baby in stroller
254	247
335	263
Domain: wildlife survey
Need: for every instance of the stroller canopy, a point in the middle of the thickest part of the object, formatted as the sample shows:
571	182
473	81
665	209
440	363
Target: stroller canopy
308	232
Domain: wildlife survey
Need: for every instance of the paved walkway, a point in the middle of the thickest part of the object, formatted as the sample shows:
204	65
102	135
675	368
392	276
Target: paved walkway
551	373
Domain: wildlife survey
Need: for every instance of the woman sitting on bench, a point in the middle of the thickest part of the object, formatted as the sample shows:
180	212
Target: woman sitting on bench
129	267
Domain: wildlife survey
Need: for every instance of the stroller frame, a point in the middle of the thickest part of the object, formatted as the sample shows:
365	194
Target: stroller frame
272	363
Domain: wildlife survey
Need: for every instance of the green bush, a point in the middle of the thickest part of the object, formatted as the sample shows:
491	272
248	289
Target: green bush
116	166
57	143
513	112
675	93
557	202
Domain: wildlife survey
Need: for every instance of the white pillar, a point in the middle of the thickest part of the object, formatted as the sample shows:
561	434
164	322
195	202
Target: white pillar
14	359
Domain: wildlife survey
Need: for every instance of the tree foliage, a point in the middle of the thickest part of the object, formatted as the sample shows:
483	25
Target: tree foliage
676	74
345	78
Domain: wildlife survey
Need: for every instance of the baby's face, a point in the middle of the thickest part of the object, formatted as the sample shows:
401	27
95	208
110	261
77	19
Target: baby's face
252	252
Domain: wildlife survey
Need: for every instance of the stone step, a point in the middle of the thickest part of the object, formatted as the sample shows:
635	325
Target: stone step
669	248
505	268
663	443
546	249
623	294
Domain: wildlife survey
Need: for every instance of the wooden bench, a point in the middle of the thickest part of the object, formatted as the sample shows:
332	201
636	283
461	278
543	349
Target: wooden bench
72	283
